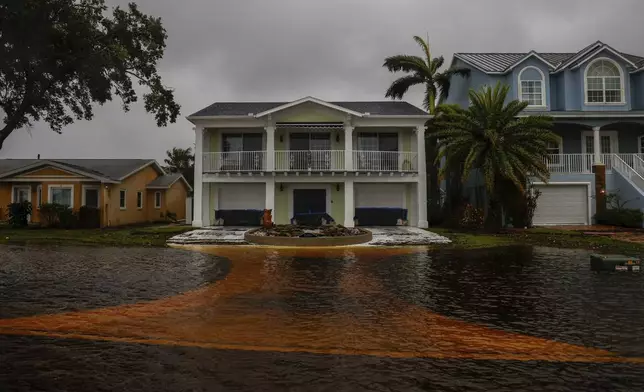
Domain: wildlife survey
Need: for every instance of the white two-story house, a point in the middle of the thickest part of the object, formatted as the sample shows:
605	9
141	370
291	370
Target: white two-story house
596	97
356	162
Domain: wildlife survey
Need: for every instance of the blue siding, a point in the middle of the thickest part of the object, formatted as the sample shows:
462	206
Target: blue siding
514	78
459	87
637	82
572	90
626	190
627	85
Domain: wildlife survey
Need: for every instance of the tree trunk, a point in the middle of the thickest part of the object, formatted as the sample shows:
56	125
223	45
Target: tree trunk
433	185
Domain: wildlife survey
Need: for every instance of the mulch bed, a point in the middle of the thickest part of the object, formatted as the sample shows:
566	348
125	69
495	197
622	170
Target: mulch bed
307	231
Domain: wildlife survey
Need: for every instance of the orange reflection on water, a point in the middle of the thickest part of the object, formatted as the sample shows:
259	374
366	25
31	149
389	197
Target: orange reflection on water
263	305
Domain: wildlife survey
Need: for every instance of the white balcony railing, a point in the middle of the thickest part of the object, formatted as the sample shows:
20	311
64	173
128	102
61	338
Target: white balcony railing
569	163
234	161
385	161
313	160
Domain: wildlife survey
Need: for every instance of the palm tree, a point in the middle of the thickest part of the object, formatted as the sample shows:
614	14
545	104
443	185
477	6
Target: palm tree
181	160
489	136
424	71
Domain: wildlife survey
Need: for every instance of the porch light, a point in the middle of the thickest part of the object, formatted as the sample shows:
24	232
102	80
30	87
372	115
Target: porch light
337	137
281	187
337	187
281	138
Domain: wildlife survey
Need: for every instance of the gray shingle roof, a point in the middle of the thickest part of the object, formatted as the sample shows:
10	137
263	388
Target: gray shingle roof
502	62
391	108
164	181
113	169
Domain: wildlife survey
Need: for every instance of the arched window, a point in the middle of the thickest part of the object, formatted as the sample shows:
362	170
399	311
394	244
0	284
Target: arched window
532	87
604	82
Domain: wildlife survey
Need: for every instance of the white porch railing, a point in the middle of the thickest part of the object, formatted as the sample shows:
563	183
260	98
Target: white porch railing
627	171
385	161
313	160
569	163
234	161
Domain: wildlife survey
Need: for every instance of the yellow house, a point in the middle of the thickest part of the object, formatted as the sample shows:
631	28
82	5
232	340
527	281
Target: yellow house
127	191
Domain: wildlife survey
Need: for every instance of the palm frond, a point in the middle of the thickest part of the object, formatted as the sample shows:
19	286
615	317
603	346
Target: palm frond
406	63
424	45
399	87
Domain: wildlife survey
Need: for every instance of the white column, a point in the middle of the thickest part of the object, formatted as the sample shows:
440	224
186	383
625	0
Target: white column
270	196
422	177
348	148
349	210
197	218
270	146
597	146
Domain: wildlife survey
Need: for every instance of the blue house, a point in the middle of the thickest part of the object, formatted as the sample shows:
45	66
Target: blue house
596	97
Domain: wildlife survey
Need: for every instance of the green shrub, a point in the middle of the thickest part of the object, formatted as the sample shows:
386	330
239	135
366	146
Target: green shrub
57	215
624	217
19	213
89	217
472	218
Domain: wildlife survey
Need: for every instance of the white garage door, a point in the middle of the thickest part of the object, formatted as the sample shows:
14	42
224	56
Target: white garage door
379	195
562	205
242	196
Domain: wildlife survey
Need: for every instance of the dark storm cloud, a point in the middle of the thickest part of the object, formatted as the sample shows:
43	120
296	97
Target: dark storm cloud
332	49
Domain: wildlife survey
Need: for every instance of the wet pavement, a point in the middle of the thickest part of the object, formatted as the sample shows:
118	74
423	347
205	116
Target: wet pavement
250	318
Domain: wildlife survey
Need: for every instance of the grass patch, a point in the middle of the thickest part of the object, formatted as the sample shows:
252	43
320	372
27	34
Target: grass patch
147	236
540	237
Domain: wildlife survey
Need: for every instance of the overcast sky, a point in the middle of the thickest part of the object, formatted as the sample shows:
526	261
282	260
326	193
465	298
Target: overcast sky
254	50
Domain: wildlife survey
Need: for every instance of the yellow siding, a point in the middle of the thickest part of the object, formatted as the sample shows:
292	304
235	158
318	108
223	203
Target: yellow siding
133	184
175	199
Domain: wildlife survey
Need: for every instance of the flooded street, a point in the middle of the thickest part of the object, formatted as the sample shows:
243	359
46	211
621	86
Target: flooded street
361	318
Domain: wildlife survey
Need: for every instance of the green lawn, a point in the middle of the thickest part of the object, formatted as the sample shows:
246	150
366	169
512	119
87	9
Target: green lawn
540	237
127	236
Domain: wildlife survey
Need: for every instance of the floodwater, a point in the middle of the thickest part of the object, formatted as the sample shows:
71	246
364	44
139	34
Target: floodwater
342	319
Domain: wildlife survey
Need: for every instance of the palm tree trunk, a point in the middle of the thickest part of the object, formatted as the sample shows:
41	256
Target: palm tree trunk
433	185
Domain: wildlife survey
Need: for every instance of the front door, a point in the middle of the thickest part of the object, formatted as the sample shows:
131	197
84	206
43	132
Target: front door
607	145
307	201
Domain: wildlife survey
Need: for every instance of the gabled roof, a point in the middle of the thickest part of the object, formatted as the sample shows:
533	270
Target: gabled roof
106	170
501	63
357	108
166	181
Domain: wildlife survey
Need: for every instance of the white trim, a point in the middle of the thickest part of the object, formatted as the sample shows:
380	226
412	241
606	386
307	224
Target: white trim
532	53
543	87
85	188
622	84
137	200
588	194
60	186
124	207
580	55
291	198
587	115
152	162
173	182
34	166
38	179
38	196
608	48
304	100
157	206
13	192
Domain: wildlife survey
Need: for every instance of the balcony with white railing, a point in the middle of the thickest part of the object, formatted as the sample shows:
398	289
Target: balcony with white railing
379	161
309	160
234	161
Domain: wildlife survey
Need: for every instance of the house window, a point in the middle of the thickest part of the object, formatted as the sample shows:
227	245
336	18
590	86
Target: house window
531	87
139	200
90	197
242	151
39	196
62	194
604	82
122	199
157	199
20	194
378	151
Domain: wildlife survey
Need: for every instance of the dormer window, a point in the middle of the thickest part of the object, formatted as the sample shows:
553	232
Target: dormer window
532	87
604	82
